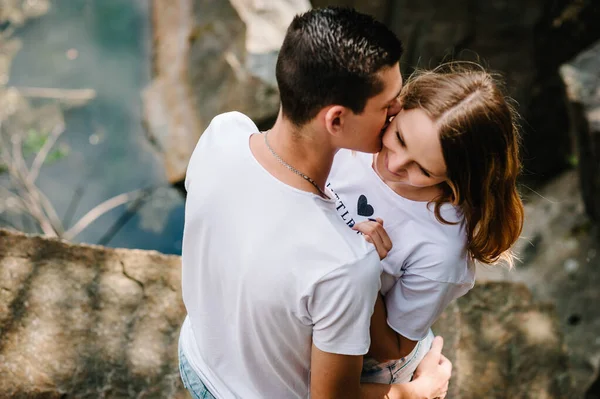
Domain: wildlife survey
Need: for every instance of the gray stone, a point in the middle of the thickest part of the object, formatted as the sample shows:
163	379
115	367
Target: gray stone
555	213
380	9
208	59
582	81
503	345
87	321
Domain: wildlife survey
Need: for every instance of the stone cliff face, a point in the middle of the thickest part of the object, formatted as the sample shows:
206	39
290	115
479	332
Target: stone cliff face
205	64
87	321
504	345
582	80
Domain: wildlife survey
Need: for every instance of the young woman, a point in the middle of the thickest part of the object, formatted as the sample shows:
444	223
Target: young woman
444	182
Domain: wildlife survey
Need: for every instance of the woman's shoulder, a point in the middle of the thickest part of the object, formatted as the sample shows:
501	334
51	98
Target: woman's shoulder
346	160
344	156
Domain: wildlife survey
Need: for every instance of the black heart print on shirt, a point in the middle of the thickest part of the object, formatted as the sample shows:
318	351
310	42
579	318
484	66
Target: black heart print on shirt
363	208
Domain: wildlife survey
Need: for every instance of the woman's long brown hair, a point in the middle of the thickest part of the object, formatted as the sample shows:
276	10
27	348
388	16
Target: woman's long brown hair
480	141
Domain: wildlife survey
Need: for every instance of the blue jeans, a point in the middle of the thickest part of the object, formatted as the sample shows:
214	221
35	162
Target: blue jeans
396	371
191	381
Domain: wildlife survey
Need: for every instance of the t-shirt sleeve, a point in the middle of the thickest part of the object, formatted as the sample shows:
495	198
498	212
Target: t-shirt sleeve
415	302
342	304
218	131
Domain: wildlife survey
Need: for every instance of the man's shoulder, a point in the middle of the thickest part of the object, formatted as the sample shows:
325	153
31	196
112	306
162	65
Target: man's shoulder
225	136
229	123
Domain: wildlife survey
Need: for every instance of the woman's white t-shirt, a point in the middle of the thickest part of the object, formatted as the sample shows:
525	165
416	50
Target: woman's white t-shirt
428	266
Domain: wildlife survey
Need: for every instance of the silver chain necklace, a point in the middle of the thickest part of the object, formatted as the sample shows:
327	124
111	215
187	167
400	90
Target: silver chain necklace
291	168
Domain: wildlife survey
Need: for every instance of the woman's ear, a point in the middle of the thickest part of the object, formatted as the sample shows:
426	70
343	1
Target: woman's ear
335	119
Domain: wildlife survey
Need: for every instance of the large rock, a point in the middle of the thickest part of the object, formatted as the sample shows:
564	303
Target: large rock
207	60
380	9
86	321
582	80
17	12
559	254
503	345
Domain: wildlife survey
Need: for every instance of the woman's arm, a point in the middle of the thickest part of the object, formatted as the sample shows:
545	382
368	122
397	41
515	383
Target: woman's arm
337	376
386	344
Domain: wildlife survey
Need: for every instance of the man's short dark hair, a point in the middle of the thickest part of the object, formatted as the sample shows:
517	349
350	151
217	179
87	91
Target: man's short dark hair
331	56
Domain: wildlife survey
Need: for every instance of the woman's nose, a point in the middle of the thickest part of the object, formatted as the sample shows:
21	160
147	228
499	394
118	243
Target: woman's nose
398	161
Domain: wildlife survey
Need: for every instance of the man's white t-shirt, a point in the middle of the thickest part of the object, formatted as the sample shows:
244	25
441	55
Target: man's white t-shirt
267	270
428	266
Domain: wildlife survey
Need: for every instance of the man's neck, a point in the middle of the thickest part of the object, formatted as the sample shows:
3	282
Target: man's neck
305	149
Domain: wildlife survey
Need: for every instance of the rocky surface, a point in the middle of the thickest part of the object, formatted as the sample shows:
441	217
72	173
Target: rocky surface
560	264
18	11
266	23
86	321
207	60
504	345
380	9
582	81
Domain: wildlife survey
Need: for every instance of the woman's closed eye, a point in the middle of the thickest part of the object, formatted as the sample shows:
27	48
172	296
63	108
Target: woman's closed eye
400	139
423	170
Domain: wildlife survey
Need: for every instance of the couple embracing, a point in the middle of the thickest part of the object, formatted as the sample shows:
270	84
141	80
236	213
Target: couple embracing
317	254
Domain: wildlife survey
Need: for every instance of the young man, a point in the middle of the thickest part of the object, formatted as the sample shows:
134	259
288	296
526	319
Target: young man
279	291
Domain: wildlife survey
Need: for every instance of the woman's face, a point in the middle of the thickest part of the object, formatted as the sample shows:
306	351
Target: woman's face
411	154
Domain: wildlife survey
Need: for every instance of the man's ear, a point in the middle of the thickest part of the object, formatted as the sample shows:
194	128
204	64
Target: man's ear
335	118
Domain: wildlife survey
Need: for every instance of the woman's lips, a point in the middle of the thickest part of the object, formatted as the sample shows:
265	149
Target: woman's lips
388	168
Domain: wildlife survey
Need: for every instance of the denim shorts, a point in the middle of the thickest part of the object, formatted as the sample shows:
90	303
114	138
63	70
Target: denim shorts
396	371
190	379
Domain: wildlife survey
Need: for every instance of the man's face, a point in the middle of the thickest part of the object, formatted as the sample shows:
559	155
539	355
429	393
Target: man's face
363	132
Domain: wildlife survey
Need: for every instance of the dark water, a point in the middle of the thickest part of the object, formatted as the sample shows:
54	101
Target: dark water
109	150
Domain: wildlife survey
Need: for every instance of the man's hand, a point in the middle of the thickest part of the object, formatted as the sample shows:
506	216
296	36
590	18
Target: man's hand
376	235
337	376
433	374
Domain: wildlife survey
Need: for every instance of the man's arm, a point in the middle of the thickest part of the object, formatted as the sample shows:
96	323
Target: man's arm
338	376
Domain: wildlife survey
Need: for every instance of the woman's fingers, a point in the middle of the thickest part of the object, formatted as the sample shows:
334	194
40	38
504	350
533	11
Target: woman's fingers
375	233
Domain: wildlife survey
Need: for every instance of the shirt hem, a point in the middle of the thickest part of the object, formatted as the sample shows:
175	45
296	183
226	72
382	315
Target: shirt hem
349	351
